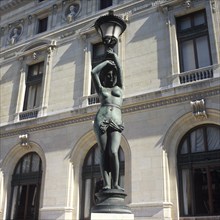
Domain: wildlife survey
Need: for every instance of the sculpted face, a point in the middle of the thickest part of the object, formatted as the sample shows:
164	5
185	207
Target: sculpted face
110	79
72	7
15	31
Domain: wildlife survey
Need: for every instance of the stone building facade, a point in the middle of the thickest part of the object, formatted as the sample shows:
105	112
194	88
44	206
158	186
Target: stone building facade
170	148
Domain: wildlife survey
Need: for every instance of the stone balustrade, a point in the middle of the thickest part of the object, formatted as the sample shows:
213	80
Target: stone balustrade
196	75
33	113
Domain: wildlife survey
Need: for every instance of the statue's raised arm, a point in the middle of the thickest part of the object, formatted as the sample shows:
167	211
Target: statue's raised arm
114	57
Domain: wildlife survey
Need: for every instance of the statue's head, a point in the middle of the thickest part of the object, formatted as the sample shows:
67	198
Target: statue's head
72	8
15	31
108	76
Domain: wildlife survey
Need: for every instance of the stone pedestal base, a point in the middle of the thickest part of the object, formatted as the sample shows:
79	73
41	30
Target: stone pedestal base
111	216
111	201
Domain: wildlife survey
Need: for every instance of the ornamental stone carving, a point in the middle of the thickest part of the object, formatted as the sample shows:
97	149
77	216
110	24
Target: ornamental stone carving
24	141
71	12
188	3
15	34
30	18
213	6
198	109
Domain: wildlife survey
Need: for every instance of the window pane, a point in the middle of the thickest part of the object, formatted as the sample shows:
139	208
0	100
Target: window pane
14	197
187	197
121	154
41	68
97	155
89	160
35	70
98	53
185	23
31	95
121	181
213	138
184	148
203	51
199	19
31	70
93	91
26	164
98	184
98	50
87	198
34	96
32	190
197	141
188	55
215	176
18	170
21	202
201	192
105	3
37	97
35	163
42	25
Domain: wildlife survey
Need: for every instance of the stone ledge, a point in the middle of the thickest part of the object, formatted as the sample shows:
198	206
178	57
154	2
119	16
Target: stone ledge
132	104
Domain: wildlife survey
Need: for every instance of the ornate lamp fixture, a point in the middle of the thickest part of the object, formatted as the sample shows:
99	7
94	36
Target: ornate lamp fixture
110	27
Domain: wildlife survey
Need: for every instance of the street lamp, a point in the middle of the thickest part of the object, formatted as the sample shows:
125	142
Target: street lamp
110	27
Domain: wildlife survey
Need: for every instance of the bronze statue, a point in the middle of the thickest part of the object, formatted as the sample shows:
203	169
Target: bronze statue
108	125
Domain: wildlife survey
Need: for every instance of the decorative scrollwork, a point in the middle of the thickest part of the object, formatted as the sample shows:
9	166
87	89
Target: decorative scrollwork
198	109
24	141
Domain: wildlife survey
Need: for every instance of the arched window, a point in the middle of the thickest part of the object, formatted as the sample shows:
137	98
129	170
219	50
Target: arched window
199	172
25	188
92	180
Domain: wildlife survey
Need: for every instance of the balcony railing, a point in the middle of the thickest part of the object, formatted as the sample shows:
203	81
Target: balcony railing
196	75
93	99
33	113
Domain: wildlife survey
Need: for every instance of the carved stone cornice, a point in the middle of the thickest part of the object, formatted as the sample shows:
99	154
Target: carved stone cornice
9	4
88	113
171	100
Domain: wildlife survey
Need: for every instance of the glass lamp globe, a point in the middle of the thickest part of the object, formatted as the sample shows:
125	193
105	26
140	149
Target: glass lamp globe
110	27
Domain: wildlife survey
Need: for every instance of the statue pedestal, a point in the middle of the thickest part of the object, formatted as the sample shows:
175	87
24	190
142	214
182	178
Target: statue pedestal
111	201
111	216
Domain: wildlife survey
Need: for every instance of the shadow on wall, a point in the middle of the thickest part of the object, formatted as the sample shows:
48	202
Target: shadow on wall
155	28
10	86
74	54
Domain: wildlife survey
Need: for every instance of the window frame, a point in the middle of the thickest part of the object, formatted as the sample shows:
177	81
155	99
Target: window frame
34	53
33	81
23	179
42	24
192	33
191	161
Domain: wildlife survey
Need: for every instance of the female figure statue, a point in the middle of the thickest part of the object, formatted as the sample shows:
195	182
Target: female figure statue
72	13
14	37
108	125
